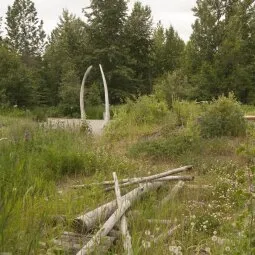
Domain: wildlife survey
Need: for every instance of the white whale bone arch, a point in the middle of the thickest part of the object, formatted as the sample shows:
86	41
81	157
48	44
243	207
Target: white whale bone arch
107	105
106	96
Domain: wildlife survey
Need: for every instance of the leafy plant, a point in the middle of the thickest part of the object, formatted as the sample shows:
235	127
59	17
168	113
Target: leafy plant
224	117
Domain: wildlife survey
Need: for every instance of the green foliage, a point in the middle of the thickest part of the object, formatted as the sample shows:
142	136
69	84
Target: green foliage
93	97
166	148
138	33
147	109
16	83
224	117
25	33
172	86
220	55
167	50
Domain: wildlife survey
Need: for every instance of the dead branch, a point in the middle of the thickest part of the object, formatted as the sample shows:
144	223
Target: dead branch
163	179
139	179
123	221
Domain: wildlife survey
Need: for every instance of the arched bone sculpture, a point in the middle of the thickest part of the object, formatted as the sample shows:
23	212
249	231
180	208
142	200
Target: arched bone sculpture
83	113
106	96
107	105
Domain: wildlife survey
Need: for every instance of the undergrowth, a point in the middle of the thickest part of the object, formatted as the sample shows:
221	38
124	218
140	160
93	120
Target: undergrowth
38	166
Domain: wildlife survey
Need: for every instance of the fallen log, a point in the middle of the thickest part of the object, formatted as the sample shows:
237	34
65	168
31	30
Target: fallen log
123	221
173	193
138	179
105	229
71	243
249	117
87	221
163	179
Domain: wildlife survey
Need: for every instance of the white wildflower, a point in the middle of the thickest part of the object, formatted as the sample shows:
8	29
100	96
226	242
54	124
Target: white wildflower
146	244
227	248
214	238
147	232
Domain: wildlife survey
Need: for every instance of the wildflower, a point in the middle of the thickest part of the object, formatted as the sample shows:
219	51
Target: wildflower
175	250
147	232
227	248
220	241
192	224
214	233
208	249
146	244
214	238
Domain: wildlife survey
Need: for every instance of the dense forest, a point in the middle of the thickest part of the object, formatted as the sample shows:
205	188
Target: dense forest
138	57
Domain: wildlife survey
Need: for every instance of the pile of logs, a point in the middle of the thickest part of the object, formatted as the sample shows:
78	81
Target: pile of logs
112	215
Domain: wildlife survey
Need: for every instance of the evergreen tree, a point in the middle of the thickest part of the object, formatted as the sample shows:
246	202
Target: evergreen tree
138	33
68	47
106	20
168	49
158	50
174	47
220	55
16	84
1	29
25	33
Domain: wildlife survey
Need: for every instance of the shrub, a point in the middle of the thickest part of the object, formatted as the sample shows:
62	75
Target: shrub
172	86
173	146
224	117
147	109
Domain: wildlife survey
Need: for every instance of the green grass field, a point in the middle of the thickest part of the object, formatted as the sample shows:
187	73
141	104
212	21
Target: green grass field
38	166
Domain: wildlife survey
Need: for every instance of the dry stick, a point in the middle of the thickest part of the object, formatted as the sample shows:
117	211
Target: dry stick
163	236
196	186
173	193
167	178
105	229
123	222
156	221
3	139
90	219
139	179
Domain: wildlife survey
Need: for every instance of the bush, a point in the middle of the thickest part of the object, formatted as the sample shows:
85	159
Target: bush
168	148
146	110
224	117
172	86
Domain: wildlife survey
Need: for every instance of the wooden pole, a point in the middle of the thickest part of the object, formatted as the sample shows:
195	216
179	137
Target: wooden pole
88	220
105	229
123	221
139	179
163	179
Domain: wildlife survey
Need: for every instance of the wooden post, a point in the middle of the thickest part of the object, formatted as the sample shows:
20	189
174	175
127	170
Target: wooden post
123	221
105	229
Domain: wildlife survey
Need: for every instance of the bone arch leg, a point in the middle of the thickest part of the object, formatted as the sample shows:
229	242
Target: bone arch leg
107	105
